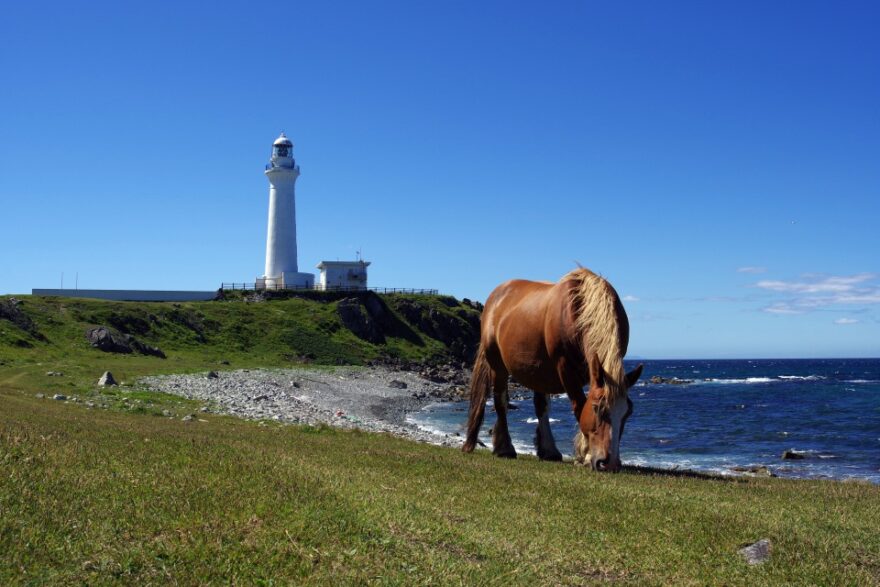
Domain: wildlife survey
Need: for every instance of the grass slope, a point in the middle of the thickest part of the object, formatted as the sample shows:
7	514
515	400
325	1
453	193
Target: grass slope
123	495
199	335
92	497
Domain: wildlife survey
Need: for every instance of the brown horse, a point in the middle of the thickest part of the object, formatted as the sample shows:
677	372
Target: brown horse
556	338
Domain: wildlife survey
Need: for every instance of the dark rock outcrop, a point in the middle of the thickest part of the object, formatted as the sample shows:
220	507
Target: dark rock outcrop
10	310
657	380
458	330
104	339
791	455
357	318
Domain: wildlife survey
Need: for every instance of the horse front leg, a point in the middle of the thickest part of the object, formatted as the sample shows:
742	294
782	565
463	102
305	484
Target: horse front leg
544	442
502	445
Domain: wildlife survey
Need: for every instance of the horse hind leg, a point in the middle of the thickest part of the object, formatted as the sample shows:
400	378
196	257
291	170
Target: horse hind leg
502	445
544	442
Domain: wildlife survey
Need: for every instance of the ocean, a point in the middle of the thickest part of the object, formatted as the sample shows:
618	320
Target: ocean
729	414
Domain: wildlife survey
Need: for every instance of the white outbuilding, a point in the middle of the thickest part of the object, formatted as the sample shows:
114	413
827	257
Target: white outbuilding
343	274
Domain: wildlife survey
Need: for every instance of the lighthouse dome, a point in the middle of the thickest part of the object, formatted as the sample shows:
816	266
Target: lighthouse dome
283	140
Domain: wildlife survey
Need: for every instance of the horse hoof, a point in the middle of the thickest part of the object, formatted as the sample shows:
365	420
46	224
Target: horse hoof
552	457
506	454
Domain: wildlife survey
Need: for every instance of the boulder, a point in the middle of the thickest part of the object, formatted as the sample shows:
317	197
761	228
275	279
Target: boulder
60	397
791	455
396	384
106	379
213	375
757	552
104	339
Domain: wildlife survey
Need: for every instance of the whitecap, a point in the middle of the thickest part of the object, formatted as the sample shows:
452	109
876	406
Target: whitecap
803	377
535	420
748	380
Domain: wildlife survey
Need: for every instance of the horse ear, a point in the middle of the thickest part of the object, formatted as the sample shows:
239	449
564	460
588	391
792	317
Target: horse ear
633	376
597	377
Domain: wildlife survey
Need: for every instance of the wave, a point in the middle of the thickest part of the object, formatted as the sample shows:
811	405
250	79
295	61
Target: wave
861	381
803	377
535	420
426	427
746	380
778	379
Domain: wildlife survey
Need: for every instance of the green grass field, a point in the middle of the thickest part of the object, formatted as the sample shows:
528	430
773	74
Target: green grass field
125	495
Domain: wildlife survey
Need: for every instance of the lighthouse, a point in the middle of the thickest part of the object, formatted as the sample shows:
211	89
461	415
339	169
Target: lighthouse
281	266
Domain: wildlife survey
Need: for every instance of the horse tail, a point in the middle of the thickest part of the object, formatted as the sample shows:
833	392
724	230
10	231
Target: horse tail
481	382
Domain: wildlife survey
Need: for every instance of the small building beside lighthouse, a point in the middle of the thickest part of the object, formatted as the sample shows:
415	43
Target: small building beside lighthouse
343	274
282	270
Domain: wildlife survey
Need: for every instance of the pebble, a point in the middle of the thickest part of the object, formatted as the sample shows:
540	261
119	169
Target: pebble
60	397
344	397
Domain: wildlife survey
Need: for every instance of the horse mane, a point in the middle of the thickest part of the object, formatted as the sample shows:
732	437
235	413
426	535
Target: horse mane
597	326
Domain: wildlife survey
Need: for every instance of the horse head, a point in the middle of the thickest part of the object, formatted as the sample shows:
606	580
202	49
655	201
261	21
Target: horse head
603	417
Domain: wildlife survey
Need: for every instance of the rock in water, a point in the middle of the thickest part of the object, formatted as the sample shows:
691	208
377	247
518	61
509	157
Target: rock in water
106	379
397	384
791	455
756	553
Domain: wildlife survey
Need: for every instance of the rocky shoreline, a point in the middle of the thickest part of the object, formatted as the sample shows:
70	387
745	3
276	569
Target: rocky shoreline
376	398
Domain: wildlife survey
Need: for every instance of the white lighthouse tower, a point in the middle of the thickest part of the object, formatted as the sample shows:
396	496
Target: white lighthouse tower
281	266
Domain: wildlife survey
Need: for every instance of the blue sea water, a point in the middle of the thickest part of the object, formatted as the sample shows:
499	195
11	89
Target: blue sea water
733	413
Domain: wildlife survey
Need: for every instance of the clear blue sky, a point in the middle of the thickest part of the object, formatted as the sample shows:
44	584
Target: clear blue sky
718	162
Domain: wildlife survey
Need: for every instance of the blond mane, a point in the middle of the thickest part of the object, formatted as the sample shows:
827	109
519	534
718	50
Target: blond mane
596	323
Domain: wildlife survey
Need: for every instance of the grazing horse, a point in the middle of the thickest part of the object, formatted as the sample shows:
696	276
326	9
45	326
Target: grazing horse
566	337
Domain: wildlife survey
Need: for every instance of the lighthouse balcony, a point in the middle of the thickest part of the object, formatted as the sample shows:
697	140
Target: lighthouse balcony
282	165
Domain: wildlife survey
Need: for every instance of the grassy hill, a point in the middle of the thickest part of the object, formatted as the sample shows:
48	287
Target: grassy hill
237	332
123	495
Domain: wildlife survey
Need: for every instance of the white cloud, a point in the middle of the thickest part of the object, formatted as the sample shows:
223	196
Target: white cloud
781	308
752	270
813	292
630	298
846	321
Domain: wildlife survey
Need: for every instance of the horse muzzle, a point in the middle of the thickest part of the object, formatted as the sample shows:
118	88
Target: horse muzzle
606	465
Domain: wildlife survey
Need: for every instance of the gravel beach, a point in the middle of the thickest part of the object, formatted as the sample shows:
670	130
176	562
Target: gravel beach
375	399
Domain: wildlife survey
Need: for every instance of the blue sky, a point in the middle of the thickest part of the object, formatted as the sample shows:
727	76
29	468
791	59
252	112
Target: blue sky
718	162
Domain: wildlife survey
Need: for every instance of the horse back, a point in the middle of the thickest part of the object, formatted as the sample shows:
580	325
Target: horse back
527	330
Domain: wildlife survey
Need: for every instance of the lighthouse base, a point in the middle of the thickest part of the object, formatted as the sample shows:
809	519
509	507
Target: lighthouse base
287	281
